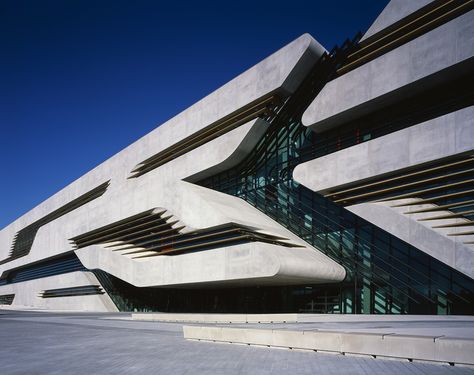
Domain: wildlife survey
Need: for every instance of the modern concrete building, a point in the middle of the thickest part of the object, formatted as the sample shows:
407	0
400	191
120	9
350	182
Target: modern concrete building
315	181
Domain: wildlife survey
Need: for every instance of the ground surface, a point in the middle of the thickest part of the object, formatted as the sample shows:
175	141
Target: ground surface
87	343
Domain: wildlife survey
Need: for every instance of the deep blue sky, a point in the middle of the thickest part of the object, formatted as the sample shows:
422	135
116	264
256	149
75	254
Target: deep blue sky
80	80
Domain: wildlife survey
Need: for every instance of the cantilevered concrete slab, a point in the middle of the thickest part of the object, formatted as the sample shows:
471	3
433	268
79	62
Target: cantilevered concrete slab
438	138
394	75
248	264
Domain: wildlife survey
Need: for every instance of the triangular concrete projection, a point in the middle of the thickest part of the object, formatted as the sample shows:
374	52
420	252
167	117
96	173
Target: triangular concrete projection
393	12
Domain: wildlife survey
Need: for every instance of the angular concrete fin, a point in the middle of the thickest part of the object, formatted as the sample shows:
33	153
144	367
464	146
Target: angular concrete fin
393	12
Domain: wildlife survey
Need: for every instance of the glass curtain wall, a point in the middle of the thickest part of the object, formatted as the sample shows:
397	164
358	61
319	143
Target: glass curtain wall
384	274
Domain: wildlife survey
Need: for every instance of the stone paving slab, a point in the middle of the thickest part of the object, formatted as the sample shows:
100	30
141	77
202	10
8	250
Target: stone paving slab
87	343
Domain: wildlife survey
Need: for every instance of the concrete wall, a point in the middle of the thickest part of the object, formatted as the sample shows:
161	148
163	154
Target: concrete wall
27	293
444	136
254	263
363	89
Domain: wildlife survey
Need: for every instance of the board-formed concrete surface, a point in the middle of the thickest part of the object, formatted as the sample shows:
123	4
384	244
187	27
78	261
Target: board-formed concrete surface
80	343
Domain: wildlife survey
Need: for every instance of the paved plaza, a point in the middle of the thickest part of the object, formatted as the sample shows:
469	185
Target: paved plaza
93	343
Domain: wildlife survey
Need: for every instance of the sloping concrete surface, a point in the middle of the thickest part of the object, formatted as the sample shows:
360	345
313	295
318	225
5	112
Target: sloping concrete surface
433	241
81	343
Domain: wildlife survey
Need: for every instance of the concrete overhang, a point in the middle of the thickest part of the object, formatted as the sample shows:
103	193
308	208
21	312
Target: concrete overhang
440	55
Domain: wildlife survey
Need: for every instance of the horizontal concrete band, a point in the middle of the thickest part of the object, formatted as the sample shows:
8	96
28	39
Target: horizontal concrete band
217	318
428	348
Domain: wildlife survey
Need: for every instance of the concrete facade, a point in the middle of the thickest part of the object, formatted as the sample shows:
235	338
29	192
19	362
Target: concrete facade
399	72
27	293
209	202
196	207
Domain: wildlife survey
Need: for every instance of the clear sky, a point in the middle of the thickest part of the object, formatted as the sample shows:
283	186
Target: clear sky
80	79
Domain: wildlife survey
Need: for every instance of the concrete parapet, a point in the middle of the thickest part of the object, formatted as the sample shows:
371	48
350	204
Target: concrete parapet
454	350
410	347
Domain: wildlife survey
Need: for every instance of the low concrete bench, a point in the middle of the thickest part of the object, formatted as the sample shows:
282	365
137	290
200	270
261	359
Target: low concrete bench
411	347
